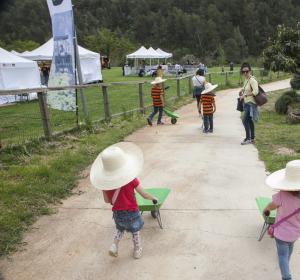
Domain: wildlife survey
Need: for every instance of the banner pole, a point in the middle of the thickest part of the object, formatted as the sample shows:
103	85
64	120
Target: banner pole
80	80
76	91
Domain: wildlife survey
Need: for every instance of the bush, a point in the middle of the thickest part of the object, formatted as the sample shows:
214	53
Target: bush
283	102
295	82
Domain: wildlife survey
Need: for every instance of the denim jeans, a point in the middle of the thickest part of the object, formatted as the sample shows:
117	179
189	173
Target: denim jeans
130	221
157	109
248	122
284	251
208	122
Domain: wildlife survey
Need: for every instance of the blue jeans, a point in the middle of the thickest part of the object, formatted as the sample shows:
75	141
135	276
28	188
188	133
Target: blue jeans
130	221
284	251
208	122
156	110
248	122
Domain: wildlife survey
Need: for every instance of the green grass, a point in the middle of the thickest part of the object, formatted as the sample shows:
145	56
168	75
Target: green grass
38	175
277	141
22	122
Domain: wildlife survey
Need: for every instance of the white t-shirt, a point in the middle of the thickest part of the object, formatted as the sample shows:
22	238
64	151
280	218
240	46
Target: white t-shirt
198	81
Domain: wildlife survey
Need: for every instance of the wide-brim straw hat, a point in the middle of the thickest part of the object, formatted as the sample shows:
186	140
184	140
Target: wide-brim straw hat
287	179
208	87
158	80
116	166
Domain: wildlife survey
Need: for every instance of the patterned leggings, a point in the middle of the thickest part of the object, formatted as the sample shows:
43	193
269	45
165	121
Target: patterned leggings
136	238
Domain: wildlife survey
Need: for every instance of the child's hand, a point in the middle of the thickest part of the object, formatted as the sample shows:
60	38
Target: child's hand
154	200
267	212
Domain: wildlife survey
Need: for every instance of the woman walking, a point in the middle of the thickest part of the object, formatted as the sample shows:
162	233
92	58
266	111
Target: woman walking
198	82
247	94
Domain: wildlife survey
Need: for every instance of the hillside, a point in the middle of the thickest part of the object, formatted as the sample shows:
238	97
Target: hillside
200	27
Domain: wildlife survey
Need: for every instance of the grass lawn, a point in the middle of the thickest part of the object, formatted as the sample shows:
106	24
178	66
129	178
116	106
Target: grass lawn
21	122
277	141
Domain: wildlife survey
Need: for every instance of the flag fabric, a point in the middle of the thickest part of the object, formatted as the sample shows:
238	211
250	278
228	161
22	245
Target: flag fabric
63	63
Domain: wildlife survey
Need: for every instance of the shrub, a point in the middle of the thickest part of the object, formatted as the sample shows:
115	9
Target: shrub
283	102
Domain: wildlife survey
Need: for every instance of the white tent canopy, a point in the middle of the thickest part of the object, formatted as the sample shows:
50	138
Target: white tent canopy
17	73
89	61
143	53
140	53
165	54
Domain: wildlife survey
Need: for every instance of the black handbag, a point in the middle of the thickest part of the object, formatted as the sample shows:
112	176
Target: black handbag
240	105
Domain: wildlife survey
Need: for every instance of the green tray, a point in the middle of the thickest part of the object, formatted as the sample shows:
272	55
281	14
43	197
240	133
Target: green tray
171	114
147	205
262	202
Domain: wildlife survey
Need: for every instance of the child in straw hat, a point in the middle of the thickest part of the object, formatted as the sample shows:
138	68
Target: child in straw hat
208	107
286	229
157	94
115	172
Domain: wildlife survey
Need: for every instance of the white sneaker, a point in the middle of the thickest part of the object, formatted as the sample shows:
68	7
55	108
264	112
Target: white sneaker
137	253
246	142
113	250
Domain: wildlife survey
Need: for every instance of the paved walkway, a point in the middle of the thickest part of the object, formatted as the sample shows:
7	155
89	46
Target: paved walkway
211	221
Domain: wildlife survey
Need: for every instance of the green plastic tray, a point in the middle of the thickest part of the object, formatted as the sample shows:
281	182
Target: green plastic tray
171	114
262	202
147	205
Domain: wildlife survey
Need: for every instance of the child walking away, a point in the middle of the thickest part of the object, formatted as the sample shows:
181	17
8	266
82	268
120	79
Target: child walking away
208	106
157	94
286	229
115	172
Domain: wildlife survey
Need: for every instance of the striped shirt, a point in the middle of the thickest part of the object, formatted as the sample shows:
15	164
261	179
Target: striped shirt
157	92
207	102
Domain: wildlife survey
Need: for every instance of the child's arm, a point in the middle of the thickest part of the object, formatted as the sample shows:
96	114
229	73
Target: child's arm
271	206
215	107
144	194
105	197
162	99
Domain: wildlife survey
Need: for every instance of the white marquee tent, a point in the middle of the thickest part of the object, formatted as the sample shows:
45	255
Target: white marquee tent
89	61
143	53
17	73
165	54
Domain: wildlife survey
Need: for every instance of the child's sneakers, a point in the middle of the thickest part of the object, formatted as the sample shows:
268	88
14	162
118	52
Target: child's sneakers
149	121
137	253
113	250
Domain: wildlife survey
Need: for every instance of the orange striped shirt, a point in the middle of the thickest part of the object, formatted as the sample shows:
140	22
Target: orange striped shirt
156	93
207	102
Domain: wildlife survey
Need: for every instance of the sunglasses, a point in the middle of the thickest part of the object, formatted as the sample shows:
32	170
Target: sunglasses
245	71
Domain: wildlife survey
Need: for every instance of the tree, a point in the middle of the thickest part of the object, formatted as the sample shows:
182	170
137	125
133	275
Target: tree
232	50
283	52
241	42
21	46
221	57
109	43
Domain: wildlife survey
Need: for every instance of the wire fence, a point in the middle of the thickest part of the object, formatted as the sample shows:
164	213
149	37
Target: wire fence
31	120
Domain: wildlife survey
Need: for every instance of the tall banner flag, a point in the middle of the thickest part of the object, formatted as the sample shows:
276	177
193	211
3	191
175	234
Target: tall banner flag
63	63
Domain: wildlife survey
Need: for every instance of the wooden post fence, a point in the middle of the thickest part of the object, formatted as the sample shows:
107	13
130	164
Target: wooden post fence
44	115
141	98
190	85
106	104
209	77
178	87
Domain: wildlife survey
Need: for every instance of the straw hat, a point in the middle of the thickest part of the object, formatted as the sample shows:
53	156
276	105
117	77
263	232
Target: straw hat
158	80
116	166
287	179
208	87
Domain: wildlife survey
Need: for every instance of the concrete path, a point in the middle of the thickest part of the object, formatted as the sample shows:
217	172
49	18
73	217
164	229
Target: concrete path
211	221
